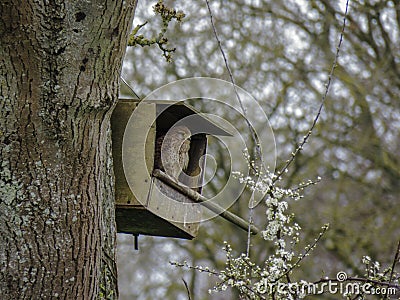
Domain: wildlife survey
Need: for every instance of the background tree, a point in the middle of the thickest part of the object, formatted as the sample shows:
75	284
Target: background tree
281	51
59	74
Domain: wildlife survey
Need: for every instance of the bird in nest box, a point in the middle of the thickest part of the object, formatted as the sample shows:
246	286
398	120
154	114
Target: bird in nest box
172	151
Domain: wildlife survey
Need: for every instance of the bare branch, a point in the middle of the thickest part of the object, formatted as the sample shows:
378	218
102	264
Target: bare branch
253	135
327	86
187	288
395	261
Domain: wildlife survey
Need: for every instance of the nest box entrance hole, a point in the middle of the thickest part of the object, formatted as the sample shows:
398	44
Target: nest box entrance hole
167	117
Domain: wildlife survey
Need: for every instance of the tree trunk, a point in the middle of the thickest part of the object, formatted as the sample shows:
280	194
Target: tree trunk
59	74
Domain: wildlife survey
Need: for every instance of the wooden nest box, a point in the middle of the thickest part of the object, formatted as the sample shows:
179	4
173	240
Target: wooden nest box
154	213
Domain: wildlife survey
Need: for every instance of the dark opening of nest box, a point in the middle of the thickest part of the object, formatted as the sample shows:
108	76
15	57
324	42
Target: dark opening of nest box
154	213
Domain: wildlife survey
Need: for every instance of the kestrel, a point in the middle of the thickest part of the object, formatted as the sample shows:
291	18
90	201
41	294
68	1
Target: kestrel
174	154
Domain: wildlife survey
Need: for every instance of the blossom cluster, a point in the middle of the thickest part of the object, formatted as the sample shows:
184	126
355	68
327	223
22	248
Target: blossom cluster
281	231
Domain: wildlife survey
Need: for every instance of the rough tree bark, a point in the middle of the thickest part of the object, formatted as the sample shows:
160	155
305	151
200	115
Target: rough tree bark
59	73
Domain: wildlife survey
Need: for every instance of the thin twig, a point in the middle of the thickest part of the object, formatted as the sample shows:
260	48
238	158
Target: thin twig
253	135
186	265
126	83
395	260
249	227
327	86
304	185
187	288
304	254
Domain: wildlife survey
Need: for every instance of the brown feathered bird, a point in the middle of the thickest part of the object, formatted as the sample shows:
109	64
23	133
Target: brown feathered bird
172	151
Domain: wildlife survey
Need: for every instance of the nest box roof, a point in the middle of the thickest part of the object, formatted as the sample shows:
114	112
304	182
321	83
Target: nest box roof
197	122
168	114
